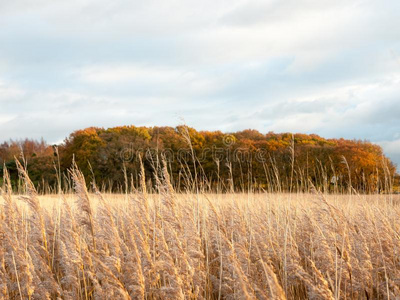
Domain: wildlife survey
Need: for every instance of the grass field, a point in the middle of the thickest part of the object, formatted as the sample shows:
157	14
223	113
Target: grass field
198	246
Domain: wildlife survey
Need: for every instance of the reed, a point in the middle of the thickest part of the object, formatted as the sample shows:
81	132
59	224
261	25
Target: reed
161	244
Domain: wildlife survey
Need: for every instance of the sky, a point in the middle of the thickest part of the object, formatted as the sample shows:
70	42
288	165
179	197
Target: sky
308	66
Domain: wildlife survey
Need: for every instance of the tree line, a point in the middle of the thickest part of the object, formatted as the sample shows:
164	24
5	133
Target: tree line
208	160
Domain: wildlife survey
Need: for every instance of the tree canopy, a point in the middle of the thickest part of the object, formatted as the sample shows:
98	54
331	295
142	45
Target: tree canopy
241	161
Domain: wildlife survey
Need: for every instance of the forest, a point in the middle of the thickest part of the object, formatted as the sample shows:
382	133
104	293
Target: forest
208	160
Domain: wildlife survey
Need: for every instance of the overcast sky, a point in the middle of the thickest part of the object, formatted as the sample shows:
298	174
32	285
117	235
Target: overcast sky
325	67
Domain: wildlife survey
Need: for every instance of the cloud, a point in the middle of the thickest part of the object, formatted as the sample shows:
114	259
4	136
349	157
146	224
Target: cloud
392	149
327	67
365	111
9	92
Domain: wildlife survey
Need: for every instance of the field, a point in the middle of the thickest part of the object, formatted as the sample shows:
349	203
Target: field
170	245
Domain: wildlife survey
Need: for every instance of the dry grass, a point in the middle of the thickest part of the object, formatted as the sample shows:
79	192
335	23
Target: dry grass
197	246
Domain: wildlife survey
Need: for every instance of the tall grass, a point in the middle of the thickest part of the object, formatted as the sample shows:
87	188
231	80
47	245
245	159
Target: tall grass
168	245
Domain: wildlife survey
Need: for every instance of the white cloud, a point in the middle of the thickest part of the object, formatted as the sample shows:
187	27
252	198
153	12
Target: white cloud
6	118
392	149
168	81
9	93
126	73
330	67
391	146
